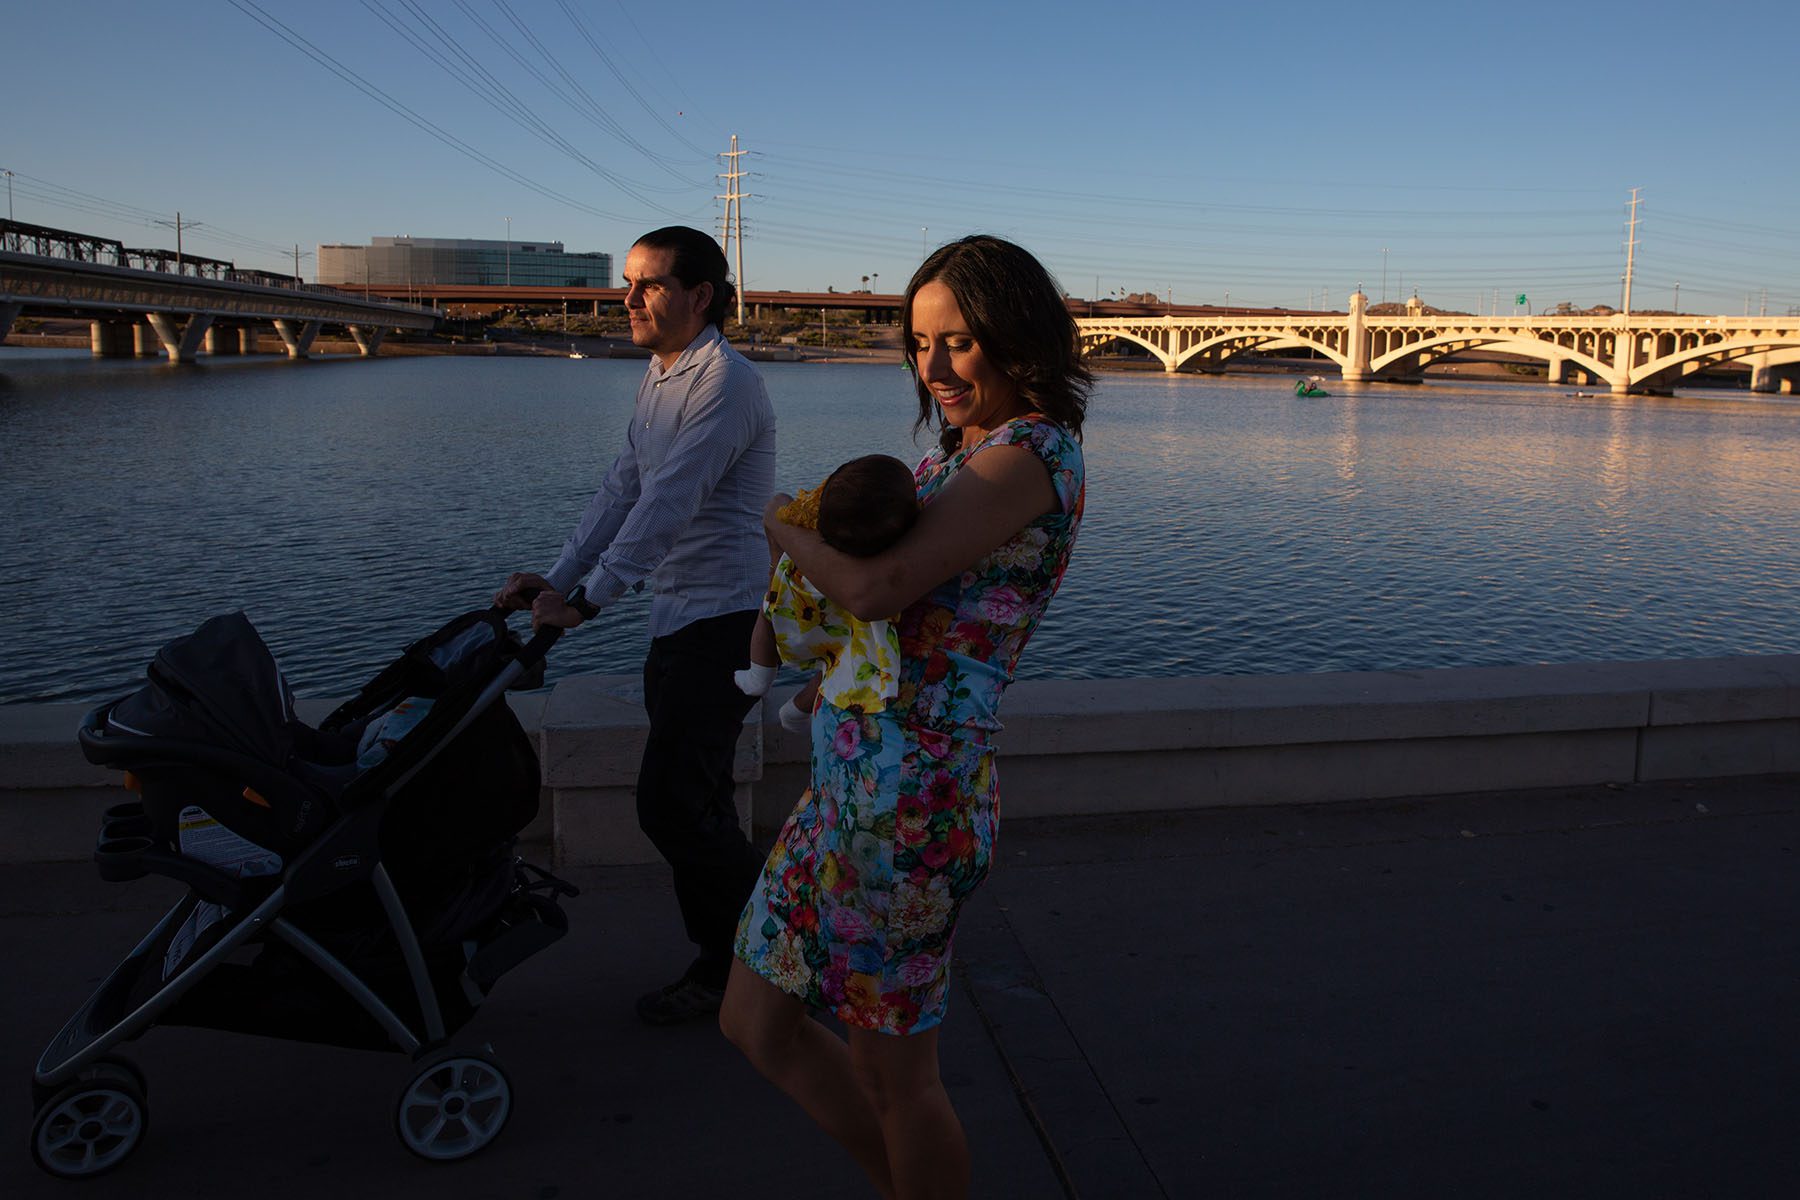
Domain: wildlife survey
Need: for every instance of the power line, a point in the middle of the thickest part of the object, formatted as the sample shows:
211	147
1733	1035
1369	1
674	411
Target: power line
481	82
585	107
582	29
251	10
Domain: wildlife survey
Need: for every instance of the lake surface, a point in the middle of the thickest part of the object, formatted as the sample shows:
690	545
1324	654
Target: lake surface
350	506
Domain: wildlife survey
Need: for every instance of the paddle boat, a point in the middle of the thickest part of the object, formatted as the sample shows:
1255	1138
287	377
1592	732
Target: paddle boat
1309	387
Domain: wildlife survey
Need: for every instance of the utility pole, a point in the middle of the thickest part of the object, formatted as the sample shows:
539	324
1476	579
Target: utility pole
508	221
734	215
176	225
298	278
1630	251
9	175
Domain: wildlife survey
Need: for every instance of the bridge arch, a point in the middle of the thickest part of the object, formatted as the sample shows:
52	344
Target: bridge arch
1415	356
1089	342
1671	368
1228	346
1246	344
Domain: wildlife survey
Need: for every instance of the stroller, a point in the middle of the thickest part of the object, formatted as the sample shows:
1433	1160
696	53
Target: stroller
353	884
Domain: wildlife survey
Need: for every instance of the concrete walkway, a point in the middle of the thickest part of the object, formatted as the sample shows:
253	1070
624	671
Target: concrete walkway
1581	993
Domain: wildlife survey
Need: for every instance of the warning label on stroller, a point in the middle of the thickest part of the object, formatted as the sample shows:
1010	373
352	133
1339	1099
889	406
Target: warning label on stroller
203	838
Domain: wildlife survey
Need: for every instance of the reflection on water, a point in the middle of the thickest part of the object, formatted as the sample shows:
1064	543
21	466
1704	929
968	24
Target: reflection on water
350	506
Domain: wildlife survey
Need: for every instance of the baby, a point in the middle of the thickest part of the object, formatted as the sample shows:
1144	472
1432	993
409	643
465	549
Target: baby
862	508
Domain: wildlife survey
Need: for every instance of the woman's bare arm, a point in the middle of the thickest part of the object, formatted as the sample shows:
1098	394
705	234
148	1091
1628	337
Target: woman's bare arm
994	495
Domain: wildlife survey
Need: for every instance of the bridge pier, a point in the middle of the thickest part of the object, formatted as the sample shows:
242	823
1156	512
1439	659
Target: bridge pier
110	339
144	342
181	344
9	312
1769	376
368	338
1773	380
1553	372
224	339
1625	355
298	336
1357	343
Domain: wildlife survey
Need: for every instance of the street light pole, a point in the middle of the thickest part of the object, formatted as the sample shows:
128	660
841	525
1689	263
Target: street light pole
1384	251
1678	297
923	230
508	251
9	215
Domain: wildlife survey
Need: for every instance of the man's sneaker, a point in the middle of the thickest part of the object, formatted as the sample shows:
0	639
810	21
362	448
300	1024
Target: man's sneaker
684	1000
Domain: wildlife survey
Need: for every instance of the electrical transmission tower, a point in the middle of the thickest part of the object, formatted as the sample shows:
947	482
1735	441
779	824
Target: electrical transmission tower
1630	251
733	223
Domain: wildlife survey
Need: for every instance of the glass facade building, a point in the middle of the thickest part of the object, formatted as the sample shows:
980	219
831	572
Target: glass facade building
421	262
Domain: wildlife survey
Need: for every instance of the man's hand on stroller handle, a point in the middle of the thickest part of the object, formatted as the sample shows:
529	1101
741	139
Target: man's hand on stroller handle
521	589
548	606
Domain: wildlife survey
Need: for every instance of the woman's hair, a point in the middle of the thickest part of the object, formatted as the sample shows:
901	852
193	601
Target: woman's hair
698	260
866	504
1017	314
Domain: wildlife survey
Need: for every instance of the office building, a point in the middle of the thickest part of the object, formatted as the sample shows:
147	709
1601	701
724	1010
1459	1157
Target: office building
420	262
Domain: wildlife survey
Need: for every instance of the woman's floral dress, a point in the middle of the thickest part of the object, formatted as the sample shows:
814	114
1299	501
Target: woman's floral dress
857	904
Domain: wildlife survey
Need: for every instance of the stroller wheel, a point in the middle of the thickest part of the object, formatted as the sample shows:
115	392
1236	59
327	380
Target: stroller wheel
453	1107
93	1124
41	1094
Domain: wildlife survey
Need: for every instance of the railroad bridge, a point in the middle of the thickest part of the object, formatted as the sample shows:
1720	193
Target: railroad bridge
137	305
1624	353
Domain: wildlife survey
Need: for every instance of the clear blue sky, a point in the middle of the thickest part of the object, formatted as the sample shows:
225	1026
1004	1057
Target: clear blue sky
1269	152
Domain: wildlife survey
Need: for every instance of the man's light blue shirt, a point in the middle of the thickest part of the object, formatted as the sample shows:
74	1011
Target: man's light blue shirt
681	508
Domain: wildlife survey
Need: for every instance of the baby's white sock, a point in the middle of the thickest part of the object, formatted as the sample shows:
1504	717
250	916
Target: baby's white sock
793	718
754	680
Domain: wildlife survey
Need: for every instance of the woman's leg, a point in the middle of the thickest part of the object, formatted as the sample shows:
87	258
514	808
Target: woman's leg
808	1062
927	1154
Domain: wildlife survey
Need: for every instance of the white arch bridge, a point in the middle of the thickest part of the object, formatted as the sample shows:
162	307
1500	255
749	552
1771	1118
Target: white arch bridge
1624	353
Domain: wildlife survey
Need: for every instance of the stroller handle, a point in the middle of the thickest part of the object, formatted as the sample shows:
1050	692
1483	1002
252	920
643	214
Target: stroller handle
546	635
529	656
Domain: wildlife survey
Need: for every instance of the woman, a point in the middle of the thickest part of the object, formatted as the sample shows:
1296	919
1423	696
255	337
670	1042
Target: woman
856	906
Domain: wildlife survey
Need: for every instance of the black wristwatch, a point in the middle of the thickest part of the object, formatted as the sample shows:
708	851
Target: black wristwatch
578	601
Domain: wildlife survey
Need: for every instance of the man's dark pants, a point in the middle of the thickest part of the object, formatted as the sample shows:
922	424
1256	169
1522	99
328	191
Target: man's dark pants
684	790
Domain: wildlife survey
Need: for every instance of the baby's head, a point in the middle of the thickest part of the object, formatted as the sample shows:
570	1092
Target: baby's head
866	504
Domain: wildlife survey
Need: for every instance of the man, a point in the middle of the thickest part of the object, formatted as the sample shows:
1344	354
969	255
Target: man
681	509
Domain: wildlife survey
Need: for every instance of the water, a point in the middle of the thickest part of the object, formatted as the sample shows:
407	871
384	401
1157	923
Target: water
350	506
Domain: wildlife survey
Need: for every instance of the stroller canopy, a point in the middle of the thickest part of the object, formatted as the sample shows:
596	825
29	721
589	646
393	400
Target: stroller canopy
218	685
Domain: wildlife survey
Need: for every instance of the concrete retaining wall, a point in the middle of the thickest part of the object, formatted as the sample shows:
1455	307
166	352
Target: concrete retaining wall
1113	745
